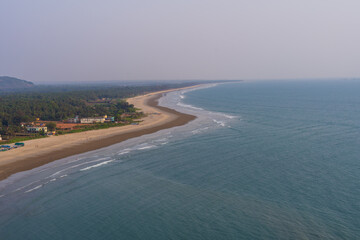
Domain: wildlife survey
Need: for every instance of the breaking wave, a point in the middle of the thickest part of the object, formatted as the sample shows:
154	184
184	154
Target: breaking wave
96	165
71	167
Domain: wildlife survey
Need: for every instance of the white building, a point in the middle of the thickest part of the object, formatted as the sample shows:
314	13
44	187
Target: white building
92	120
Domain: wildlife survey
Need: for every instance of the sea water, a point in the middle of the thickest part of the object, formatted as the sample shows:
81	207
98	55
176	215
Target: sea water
263	160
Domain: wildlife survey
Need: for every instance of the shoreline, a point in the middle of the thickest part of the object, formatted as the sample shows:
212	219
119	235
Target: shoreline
39	152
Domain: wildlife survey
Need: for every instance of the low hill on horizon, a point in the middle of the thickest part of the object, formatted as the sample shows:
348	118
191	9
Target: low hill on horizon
11	83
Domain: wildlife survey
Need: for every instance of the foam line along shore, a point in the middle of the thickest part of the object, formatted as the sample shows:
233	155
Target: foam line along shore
38	152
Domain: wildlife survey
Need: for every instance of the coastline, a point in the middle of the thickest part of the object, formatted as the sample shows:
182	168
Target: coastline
39	152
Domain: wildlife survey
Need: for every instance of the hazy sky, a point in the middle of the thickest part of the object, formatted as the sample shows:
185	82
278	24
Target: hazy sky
92	40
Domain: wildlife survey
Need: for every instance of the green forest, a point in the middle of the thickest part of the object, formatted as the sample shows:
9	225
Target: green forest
16	108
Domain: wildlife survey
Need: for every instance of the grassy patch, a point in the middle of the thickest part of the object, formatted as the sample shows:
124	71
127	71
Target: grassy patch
21	139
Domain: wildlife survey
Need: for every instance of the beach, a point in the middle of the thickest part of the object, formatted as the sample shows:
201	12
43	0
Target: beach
38	152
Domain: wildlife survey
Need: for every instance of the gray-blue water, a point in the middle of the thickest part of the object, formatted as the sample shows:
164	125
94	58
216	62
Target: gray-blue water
264	160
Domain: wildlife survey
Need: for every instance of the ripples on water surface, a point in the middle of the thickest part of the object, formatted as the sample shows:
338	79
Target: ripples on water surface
264	160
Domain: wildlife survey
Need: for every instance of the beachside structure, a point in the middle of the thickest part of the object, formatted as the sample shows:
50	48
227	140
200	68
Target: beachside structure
90	120
35	129
74	120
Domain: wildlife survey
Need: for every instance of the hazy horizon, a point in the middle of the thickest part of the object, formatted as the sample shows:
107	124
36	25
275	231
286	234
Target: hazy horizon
91	41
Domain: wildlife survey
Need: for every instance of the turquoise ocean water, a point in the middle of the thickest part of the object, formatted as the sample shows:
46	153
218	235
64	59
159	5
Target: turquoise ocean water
263	160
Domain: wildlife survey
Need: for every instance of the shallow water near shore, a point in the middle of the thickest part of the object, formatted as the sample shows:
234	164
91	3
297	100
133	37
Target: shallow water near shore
263	160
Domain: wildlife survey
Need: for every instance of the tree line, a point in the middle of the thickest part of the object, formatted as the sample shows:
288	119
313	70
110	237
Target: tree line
16	108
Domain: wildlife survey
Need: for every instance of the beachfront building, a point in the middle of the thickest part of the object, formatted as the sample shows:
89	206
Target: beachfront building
36	129
93	120
73	120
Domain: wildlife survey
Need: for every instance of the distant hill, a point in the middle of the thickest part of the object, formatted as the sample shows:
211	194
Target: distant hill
11	83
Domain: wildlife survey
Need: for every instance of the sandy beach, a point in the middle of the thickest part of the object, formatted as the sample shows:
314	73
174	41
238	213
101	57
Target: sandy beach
38	152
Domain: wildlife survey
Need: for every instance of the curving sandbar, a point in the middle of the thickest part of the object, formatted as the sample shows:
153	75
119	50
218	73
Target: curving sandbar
38	152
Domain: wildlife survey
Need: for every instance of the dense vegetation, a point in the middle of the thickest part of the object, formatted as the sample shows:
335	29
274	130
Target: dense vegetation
56	106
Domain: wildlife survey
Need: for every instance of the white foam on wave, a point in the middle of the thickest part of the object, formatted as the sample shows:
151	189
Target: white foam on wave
196	131
221	123
96	165
143	146
77	165
42	184
229	116
221	119
146	147
27	185
125	151
161	140
188	106
32	189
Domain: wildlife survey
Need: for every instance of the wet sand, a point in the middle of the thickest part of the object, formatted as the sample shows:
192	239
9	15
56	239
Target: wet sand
42	151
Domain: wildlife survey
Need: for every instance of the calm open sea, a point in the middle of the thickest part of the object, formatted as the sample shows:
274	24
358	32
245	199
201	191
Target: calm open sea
264	160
